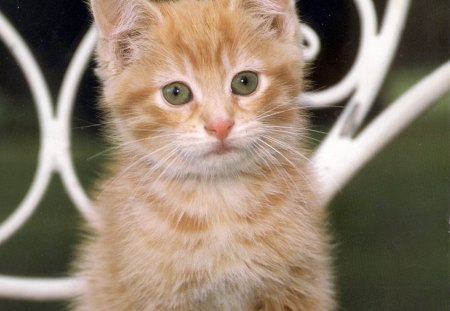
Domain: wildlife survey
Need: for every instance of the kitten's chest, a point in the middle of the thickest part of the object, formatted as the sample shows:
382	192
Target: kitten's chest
217	219
223	215
193	209
210	246
224	235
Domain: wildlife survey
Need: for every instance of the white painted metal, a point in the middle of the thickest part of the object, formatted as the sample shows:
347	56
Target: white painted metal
339	157
342	158
311	47
39	289
368	20
375	60
41	96
65	105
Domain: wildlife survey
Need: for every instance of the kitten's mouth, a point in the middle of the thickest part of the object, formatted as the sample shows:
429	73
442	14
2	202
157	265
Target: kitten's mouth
221	149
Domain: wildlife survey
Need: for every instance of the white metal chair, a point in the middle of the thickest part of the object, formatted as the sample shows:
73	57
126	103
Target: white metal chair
344	151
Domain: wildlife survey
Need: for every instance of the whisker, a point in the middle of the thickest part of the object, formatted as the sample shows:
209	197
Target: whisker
277	151
166	164
285	127
270	110
87	126
160	163
274	108
277	162
125	144
265	116
287	147
291	149
316	131
143	158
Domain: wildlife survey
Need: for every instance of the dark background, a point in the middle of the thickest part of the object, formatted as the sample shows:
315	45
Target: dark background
390	223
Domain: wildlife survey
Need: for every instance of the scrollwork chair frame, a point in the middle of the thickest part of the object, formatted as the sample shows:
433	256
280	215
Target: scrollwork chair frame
344	151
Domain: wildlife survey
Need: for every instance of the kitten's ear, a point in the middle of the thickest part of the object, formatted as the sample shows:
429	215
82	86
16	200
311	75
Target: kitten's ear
276	15
120	24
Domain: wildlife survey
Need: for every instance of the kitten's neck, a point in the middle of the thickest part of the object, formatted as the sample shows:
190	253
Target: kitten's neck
214	197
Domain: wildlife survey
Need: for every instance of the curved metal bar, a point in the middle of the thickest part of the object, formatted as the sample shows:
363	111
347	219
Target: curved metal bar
378	62
39	289
368	20
65	105
337	159
42	99
379	59
337	167
312	47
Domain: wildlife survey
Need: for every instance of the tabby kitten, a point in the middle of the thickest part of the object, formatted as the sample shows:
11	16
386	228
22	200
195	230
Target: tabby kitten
210	204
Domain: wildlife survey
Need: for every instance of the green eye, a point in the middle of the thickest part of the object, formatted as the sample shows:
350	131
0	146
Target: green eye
244	83
177	93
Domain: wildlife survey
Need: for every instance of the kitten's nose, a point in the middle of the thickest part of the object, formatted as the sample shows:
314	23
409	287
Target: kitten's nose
219	128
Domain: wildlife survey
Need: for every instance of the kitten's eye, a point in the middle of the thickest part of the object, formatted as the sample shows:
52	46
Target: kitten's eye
177	93
244	83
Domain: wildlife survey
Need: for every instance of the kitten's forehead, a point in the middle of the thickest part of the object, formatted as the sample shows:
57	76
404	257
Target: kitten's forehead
207	36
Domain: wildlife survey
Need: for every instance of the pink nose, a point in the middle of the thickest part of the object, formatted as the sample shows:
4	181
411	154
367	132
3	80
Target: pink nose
219	128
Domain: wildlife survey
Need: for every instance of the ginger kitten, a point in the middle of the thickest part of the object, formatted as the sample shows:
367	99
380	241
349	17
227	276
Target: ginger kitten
210	203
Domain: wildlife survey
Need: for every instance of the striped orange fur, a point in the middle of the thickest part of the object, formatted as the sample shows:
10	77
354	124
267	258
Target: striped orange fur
192	219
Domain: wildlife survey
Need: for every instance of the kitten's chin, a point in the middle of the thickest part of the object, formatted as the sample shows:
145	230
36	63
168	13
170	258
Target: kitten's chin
219	161
221	149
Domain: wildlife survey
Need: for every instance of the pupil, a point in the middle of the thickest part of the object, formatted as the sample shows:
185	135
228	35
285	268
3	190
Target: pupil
176	91
244	80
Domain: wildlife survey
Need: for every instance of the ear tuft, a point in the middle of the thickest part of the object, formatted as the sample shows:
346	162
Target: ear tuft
279	16
120	24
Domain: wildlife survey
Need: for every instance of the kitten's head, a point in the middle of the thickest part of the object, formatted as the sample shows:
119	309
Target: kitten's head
205	87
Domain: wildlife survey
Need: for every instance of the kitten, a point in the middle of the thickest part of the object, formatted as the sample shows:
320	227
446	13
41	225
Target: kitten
210	204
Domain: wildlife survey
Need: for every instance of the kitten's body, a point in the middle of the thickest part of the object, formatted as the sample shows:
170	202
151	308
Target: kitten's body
195	217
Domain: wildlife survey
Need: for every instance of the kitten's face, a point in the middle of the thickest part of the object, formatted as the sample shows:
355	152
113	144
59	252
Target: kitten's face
208	93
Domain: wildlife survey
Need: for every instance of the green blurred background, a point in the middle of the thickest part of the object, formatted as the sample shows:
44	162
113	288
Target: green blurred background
390	223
